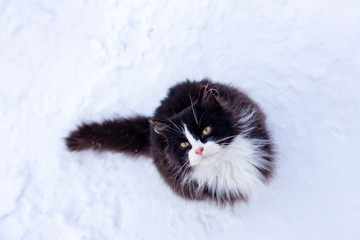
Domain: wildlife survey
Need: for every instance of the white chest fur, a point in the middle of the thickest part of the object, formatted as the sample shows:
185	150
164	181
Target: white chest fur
230	170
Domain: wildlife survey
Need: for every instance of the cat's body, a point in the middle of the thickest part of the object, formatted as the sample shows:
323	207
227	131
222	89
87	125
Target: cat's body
208	141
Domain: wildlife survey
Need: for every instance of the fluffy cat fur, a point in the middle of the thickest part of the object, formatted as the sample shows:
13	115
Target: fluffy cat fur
208	141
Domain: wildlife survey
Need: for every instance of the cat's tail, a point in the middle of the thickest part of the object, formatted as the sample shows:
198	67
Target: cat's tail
128	135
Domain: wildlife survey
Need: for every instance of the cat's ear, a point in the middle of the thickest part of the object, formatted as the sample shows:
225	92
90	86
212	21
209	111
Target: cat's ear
160	126
209	96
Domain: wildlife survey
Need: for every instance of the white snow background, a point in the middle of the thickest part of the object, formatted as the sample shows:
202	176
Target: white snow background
64	62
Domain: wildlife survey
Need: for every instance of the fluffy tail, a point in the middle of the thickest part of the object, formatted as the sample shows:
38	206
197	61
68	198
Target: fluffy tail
129	135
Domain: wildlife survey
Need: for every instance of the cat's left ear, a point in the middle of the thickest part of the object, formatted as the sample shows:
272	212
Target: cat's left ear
159	125
209	95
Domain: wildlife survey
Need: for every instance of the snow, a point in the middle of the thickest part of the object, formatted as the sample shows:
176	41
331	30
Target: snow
62	62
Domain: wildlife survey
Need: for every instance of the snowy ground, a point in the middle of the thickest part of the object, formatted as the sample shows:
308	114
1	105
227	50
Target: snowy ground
62	62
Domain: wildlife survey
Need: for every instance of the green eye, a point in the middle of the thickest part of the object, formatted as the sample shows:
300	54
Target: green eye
206	130
184	144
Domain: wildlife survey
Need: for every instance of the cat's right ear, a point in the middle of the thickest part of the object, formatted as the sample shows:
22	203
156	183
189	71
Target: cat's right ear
159	125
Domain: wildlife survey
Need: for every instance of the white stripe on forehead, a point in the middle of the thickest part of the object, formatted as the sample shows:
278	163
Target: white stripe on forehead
190	137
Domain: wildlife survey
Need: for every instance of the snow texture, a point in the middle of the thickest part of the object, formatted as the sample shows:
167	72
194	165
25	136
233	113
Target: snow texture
62	62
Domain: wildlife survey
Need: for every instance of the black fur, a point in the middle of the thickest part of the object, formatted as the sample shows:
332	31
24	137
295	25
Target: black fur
124	135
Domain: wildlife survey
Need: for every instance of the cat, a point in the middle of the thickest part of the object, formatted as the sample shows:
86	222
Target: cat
208	141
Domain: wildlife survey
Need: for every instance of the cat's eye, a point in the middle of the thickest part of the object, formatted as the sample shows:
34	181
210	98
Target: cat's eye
184	144
206	130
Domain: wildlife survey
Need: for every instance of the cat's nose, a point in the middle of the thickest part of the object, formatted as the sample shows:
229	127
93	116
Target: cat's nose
199	151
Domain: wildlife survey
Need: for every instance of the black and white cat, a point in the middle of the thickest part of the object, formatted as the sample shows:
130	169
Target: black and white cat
208	141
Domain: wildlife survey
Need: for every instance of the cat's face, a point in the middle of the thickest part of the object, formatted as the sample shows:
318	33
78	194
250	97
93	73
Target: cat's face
196	136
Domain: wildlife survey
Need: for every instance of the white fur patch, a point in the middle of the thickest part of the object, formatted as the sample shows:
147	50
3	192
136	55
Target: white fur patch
229	170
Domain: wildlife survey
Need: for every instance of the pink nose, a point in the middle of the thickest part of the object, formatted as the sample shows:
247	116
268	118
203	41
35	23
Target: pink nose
199	150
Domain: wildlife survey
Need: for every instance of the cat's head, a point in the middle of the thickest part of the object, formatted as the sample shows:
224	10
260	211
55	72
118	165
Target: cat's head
196	135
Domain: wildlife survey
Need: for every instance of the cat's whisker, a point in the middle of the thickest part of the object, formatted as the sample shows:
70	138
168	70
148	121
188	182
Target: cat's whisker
176	126
257	143
176	132
193	110
259	152
177	172
187	161
225	138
